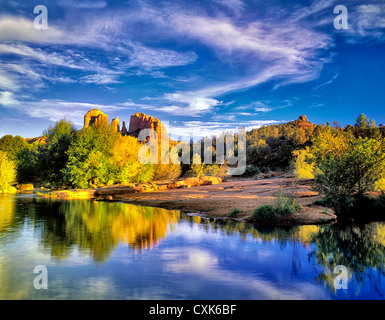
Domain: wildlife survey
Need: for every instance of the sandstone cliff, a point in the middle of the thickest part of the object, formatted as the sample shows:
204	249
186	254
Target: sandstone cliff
115	125
94	117
140	121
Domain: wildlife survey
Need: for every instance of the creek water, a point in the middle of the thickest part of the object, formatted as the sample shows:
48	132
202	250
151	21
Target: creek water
107	250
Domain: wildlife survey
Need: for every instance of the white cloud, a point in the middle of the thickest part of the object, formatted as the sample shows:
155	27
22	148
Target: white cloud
21	29
54	109
8	82
189	129
193	103
7	99
148	58
204	264
367	21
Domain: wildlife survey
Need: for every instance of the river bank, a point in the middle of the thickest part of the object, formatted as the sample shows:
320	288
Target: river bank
213	197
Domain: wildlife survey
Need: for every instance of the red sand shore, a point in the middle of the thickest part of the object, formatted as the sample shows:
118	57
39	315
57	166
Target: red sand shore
218	200
211	197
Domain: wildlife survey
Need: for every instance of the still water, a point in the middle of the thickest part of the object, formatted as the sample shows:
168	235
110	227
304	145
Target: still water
100	250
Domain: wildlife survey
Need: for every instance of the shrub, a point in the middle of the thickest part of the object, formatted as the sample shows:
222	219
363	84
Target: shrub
264	214
284	206
216	170
265	170
234	212
167	171
197	168
346	174
251	170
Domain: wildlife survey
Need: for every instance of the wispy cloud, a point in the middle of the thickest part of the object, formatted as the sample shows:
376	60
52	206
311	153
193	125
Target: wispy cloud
193	103
7	99
367	22
188	129
54	109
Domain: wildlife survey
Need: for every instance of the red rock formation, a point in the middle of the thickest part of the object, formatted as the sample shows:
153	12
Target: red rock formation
115	125
140	121
95	117
124	129
303	122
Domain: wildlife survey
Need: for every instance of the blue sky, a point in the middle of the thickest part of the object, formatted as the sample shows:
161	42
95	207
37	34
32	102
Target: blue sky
202	65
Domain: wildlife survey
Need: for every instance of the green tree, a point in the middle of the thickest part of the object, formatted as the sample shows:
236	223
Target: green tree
28	167
347	167
12	145
53	156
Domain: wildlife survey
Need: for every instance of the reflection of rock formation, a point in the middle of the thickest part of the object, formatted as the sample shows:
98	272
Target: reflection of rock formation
98	227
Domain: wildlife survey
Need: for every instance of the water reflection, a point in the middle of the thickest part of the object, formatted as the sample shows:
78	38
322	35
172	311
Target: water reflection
361	248
96	229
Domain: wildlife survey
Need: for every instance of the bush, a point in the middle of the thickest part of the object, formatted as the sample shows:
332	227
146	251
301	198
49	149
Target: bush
348	172
251	170
167	171
234	213
265	170
216	170
264	214
284	206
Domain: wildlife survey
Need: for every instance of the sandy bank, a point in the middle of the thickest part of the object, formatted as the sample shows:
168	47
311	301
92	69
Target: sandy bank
246	195
212	197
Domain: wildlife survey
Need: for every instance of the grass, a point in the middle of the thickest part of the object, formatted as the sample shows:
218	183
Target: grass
234	213
284	206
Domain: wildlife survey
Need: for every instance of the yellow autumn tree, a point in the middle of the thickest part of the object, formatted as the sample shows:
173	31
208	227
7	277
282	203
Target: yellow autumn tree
302	168
7	173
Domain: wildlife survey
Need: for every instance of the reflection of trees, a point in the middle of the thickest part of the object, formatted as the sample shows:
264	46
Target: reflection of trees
98	227
243	229
12	214
360	248
7	212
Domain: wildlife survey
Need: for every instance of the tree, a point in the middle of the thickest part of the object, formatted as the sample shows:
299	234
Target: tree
362	121
347	167
303	168
7	172
53	156
12	145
